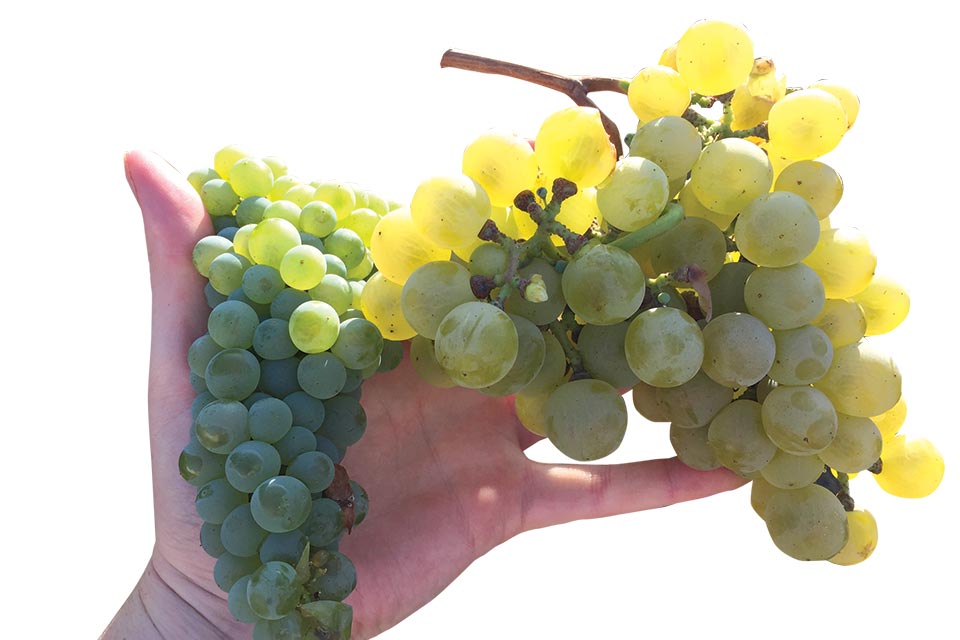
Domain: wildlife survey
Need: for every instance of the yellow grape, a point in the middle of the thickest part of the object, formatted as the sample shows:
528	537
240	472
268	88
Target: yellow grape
753	99
578	212
280	187
573	144
241	241
911	468
671	142
530	411
225	158
842	321
890	421
815	182
729	174
522	222
449	210
885	305
669	57
862	381
847	98
398	247
270	241
251	177
714	57
506	225
778	160
503	164
807	124
861	540
658	91
844	261
380	304
634	194
693	208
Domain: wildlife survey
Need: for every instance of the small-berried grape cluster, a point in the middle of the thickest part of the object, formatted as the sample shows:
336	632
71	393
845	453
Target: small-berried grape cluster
278	376
701	269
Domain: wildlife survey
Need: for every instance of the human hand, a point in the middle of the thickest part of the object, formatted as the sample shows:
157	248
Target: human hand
445	470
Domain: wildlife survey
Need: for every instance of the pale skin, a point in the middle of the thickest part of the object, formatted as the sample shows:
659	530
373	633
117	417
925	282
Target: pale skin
445	469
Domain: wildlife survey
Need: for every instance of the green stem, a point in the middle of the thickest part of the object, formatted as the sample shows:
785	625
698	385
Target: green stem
671	217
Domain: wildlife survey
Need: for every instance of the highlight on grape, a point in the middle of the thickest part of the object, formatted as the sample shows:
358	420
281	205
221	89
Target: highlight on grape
693	261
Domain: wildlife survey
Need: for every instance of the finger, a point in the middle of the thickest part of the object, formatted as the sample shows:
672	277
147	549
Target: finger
173	221
558	493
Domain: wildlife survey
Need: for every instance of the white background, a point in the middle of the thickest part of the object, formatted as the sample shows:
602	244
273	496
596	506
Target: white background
357	93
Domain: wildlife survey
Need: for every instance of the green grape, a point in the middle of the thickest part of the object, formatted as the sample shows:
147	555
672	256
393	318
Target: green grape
658	91
271	340
218	197
738	350
391	356
488	259
263	310
804	355
345	421
335	265
799	420
693	241
844	261
339	196
807	124
634	194
476	344
856	446
760	492
312	468
363	269
240	534
695	402
399	247
784	298
303	267
332	619
237	602
212	296
232	324
305	410
300	194
270	241
693	448
359	343
861	381
573	144
198	465
318	218
284	547
737	438
693	208
647	402
424	360
289	627
200	402
210	540
206	250
346	245
335	291
270	419
200	177
322	375
808	523
222	425
232	374
842	321
279	377
251	177
726	288
325	522
375	203
314	326
449	210
815	182
530	410
286	301
216	499
602	352
262	283
197	383
729	174
431	292
225	158
585	419
223	222
885	304
714	57
531	352
273	590
250	210
664	347
230	568
777	230
554	366
226	272
338	578
228	232
539	313
503	164
280	504
671	142
361	503
250	464
281	185
789	471
380	304
603	285
200	353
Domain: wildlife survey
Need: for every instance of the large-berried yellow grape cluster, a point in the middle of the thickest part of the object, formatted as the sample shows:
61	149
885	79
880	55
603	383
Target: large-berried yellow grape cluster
700	269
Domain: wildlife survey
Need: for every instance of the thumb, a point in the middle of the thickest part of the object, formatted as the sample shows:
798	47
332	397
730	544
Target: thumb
173	221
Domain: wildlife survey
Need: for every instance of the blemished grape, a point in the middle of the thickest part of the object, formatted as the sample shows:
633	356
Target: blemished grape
634	194
729	174
664	347
786	297
738	350
808	523
585	419
799	420
777	230
862	381
476	344
603	353
603	285
431	292
738	439
671	142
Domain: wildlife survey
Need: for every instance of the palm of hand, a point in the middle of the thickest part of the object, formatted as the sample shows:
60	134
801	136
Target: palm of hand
445	470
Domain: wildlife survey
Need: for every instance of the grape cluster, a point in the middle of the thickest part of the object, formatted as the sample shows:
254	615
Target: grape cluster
701	269
278	379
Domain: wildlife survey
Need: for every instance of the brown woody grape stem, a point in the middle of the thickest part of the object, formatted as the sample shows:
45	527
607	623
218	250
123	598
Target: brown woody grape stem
575	87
